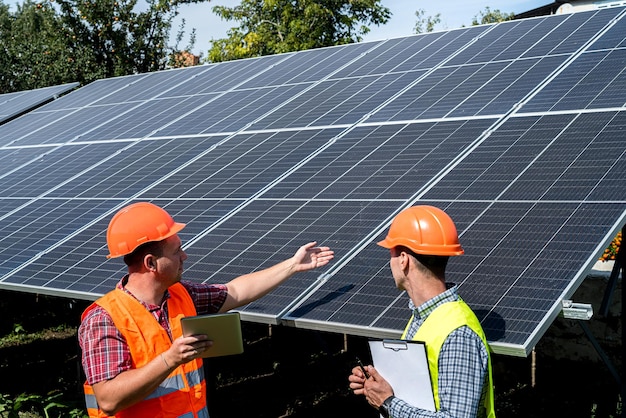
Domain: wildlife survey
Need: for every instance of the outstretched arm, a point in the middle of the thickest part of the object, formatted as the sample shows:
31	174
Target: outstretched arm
249	287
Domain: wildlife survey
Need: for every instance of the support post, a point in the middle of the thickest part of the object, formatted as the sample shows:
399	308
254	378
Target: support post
620	264
533	368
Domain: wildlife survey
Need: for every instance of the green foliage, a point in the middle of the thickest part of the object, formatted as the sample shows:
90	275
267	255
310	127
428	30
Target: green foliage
35	52
425	23
18	329
122	40
618	409
54	42
19	335
491	16
276	26
51	405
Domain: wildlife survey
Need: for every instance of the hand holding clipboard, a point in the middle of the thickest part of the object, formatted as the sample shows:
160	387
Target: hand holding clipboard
404	364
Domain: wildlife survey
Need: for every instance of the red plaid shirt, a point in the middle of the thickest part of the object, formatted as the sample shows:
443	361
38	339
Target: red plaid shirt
105	353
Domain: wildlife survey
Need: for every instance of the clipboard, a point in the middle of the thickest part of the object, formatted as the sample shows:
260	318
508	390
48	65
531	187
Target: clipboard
223	329
404	364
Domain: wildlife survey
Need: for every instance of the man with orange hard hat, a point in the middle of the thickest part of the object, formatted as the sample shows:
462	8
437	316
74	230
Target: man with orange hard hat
420	240
135	358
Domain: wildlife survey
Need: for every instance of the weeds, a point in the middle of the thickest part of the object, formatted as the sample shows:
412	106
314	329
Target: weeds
49	406
20	335
618	409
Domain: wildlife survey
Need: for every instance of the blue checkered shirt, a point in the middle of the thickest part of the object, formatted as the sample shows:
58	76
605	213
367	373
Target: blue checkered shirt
463	363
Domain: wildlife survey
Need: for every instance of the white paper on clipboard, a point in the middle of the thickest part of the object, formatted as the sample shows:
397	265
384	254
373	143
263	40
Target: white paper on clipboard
404	365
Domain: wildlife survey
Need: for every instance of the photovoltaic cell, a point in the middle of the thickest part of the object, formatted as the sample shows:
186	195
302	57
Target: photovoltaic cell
231	111
308	66
52	168
25	125
497	164
13	159
13	104
223	77
572	33
130	170
39	225
336	102
380	162
575	164
418	52
9	205
515	41
594	83
61	126
92	93
492	46
614	37
507	88
144	119
241	167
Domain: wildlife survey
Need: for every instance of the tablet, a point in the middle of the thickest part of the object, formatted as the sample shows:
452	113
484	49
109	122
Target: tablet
223	329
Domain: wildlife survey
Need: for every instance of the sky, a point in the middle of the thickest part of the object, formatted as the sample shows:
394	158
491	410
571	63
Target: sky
453	13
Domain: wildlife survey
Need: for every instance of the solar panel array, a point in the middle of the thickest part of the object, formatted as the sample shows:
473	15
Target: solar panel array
14	104
515	129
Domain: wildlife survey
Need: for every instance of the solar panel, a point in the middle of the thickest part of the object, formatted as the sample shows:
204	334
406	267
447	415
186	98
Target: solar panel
14	104
513	128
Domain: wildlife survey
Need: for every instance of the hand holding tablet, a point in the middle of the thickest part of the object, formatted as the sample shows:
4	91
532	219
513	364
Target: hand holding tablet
223	329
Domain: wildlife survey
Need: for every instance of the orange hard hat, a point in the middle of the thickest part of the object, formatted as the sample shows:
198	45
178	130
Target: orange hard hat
137	224
424	230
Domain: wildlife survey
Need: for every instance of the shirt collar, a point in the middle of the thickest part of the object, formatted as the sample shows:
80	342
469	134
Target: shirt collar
421	312
122	285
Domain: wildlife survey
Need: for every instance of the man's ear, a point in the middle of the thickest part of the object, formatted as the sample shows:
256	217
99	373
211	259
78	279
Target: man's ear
404	259
149	262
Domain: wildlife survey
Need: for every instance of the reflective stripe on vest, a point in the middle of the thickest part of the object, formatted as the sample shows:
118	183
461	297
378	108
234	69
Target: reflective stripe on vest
201	414
183	392
434	332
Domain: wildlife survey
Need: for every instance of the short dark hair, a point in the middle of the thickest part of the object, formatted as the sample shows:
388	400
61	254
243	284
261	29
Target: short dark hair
435	263
152	247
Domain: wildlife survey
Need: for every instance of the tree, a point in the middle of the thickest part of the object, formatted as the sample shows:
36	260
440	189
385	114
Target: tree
34	49
123	41
425	24
58	41
5	58
275	26
491	16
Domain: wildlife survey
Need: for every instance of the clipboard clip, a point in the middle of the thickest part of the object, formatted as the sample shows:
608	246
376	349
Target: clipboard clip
395	345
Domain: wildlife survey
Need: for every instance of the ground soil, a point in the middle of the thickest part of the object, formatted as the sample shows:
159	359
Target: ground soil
287	372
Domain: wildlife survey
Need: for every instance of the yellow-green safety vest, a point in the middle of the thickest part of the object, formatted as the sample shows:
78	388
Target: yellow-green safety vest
434	332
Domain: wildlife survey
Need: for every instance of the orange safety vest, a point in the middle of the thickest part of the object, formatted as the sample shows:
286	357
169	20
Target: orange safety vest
434	332
183	392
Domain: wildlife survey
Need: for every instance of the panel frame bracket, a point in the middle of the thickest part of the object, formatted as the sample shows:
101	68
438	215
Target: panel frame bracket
574	310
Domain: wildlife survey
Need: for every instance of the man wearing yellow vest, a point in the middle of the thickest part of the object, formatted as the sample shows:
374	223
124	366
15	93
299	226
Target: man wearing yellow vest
420	240
136	361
